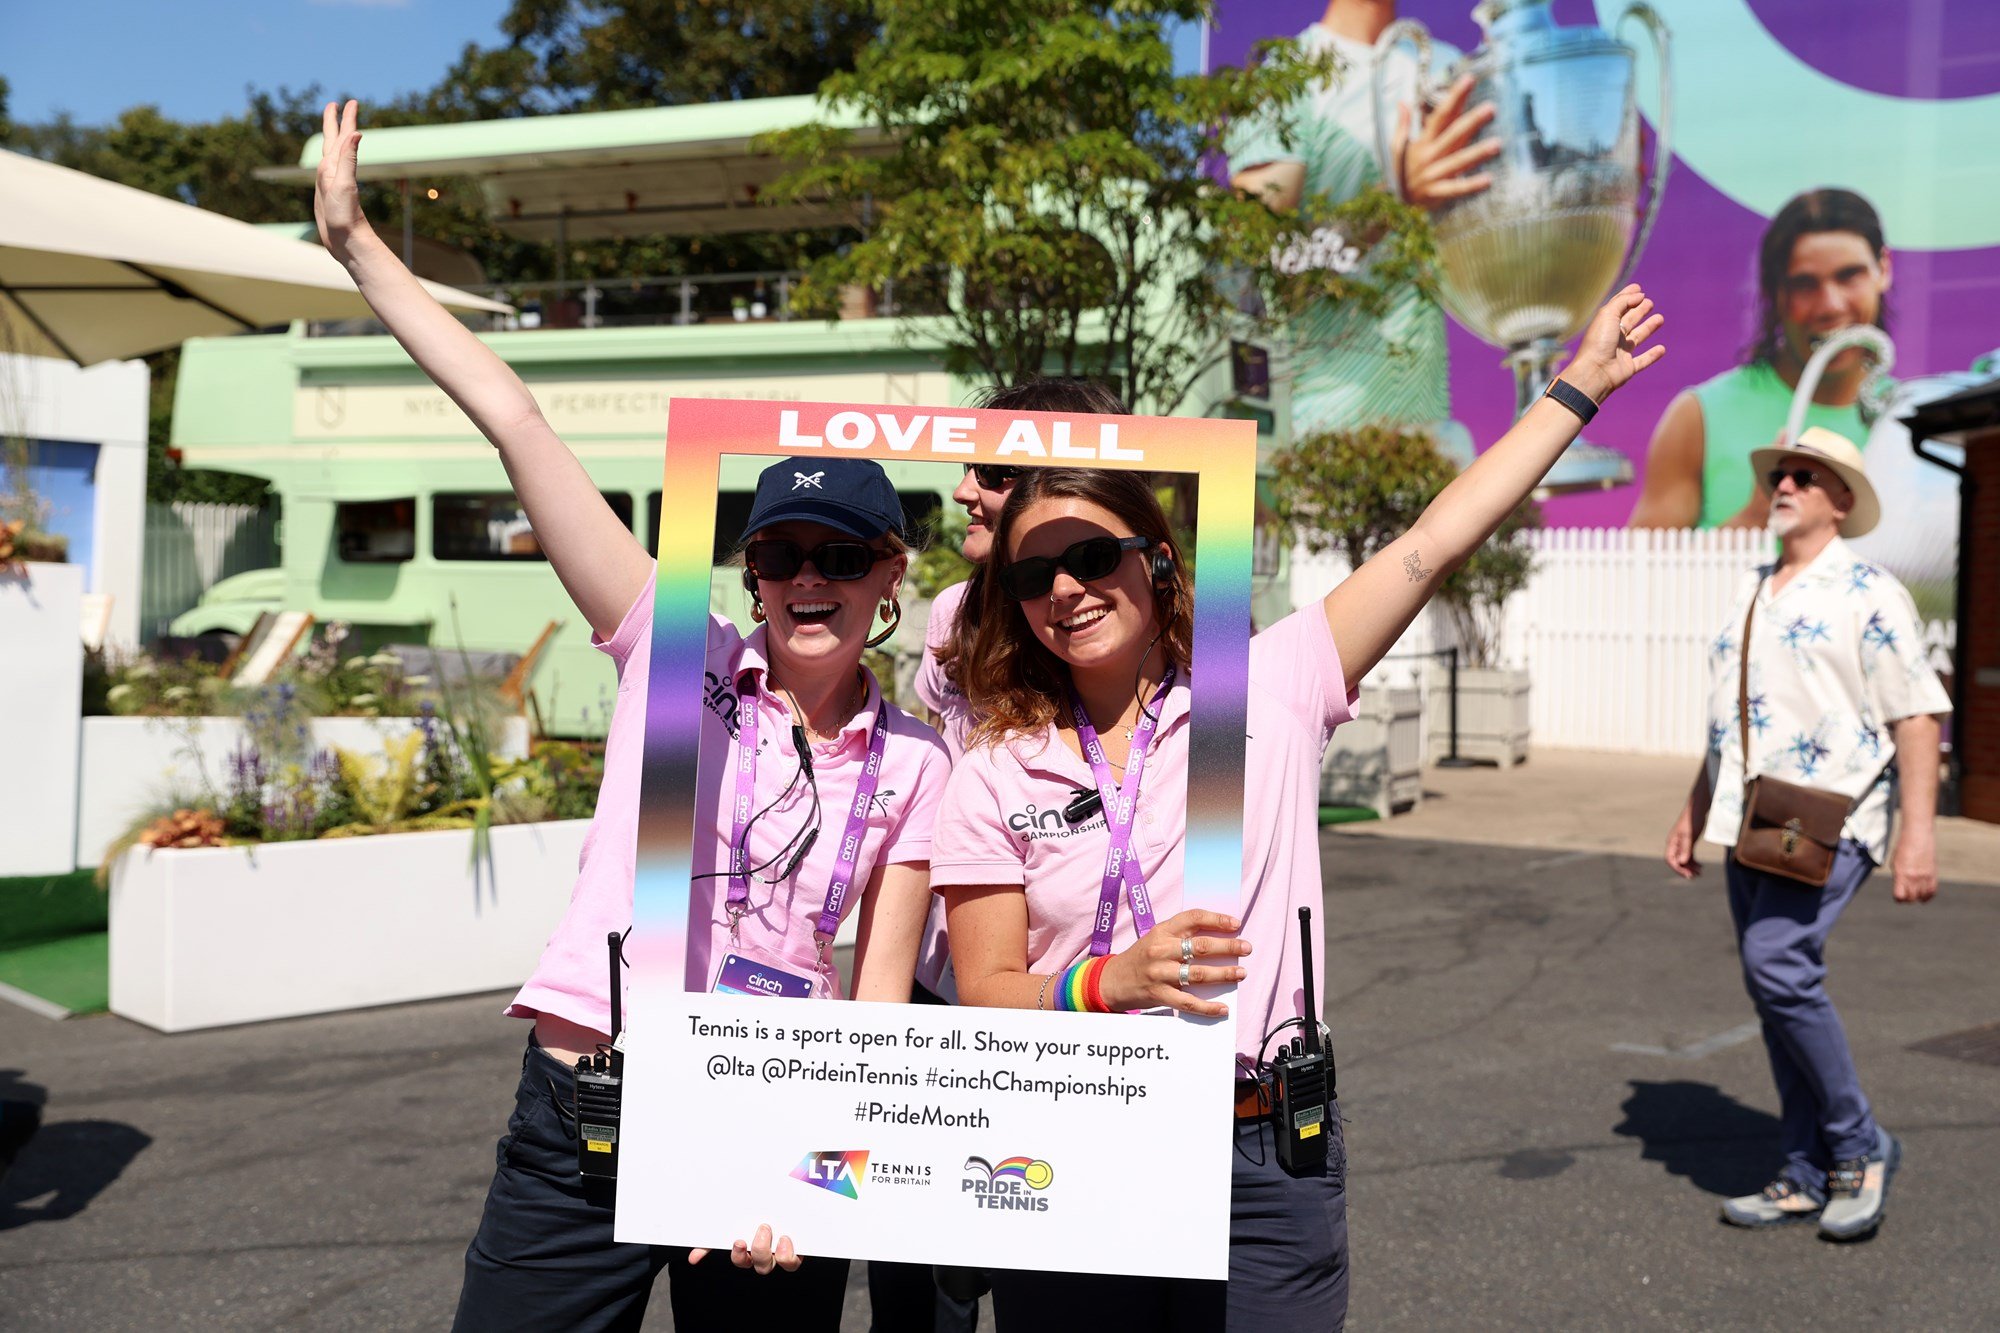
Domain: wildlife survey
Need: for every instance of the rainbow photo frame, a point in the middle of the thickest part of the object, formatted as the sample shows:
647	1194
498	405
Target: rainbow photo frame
879	1179
1220	454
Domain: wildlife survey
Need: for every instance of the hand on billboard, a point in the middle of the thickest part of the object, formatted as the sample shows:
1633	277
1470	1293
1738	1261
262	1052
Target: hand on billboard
1433	165
336	196
1680	847
759	1254
1608	354
1915	864
1147	975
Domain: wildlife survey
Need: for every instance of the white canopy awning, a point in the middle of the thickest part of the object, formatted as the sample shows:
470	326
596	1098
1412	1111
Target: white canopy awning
92	270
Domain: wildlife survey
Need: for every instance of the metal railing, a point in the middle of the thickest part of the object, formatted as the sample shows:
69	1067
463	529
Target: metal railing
664	300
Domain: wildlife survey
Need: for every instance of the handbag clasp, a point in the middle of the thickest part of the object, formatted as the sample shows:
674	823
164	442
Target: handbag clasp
1793	831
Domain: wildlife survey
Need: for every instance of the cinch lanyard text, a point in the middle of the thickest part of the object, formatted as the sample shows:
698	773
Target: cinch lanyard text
1121	807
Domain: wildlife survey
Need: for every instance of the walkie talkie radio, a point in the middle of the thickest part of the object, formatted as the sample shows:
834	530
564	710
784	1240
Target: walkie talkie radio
600	1081
1302	1081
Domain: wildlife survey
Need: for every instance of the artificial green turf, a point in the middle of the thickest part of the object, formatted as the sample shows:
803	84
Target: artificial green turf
74	972
49	907
1345	814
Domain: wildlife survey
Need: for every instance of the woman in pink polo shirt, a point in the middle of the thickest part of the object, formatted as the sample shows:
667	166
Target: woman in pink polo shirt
795	735
1077	673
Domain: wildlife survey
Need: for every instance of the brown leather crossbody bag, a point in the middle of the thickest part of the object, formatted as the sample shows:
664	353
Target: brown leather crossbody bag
1788	829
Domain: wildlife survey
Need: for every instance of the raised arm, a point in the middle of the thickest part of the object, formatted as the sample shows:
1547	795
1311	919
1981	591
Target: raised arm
1373	606
600	563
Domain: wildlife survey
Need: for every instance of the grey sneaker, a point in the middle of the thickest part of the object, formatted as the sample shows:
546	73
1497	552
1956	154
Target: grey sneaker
1858	1191
1778	1204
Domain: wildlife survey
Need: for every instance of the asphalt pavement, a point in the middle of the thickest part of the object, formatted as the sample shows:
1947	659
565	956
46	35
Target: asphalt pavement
1543	1058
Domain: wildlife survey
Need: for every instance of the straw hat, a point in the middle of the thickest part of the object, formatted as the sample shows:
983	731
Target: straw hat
1839	454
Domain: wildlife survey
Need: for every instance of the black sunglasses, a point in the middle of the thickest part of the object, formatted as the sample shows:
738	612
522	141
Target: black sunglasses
837	560
993	476
1802	477
1091	559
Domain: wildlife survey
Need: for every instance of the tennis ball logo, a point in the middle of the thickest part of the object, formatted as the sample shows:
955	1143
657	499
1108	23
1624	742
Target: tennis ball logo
1009	1173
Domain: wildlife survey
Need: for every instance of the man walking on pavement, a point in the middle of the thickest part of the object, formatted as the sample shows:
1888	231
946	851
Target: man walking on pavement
1839	697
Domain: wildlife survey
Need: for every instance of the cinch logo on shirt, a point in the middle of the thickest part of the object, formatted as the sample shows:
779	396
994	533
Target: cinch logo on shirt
838	1172
719	699
1033	823
1014	1183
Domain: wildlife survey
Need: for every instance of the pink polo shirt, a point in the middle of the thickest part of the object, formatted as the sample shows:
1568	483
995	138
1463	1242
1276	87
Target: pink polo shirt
1002	823
936	692
934	688
571	980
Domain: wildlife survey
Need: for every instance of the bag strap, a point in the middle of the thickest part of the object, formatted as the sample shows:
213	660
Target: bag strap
1743	683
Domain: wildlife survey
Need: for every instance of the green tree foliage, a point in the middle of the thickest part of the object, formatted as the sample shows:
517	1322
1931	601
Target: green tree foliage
1353	492
607	55
1045	154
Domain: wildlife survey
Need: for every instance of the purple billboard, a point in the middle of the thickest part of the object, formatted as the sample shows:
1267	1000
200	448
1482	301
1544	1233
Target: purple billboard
1824	174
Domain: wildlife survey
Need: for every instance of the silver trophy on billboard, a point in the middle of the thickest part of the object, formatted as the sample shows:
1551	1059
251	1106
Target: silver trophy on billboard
1525	264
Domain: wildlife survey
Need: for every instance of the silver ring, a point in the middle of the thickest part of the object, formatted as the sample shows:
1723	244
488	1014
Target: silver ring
1187	975
1187	950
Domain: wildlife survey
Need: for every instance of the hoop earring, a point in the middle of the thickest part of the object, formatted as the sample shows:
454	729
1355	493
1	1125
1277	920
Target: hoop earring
756	608
892	611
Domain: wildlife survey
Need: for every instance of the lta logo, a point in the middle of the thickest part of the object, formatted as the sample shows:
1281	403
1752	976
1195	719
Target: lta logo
840	1172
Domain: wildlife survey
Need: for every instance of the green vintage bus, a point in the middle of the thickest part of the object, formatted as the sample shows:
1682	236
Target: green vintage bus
394	508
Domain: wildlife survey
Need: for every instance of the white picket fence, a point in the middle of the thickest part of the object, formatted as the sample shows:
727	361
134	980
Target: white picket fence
1614	627
192	547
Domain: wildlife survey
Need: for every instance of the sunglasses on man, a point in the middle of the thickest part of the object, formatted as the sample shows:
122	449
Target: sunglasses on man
1086	561
993	476
1802	477
839	561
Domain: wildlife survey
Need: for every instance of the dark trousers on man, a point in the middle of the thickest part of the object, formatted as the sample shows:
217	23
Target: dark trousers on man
1781	932
543	1257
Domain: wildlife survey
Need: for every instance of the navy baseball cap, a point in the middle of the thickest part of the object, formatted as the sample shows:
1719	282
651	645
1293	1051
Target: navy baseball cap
851	494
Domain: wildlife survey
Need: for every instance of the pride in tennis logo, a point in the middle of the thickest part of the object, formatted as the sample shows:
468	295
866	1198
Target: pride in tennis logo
840	1172
1012	1182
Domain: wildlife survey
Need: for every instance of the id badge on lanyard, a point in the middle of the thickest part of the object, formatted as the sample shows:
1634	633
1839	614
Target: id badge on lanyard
1121	807
747	968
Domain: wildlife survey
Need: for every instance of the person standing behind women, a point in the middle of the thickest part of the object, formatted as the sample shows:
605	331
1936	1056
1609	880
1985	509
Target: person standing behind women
820	562
1081	647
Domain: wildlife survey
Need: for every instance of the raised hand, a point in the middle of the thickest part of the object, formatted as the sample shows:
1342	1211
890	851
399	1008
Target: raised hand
1608	355
336	196
1434	164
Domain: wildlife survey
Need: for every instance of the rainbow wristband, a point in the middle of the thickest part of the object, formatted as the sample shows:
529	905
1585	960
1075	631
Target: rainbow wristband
1093	985
1072	987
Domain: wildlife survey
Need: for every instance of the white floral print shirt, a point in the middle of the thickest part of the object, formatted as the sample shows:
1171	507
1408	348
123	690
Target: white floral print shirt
1835	657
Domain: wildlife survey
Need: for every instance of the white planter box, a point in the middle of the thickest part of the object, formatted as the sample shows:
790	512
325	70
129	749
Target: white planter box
219	935
1376	760
1493	720
41	694
132	763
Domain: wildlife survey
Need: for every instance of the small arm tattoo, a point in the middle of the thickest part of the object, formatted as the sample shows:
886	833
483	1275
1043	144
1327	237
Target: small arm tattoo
1413	565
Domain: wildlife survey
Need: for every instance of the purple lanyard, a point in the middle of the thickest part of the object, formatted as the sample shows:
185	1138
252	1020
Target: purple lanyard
1121	807
746	796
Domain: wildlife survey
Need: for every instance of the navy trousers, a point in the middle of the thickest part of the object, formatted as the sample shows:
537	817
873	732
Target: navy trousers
543	1257
1287	1262
1781	932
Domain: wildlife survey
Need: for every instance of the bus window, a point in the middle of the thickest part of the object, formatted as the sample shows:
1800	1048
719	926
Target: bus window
732	511
375	531
491	525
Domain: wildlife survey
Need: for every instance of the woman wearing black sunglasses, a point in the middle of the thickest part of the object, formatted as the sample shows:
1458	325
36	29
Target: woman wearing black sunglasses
1076	667
790	717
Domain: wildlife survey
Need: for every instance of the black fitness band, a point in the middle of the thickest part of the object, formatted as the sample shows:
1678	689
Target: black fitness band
1575	399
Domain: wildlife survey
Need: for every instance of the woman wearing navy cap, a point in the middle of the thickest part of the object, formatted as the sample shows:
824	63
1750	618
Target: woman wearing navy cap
820	796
